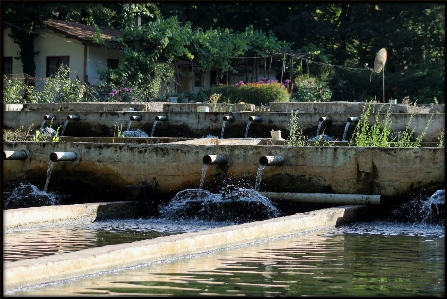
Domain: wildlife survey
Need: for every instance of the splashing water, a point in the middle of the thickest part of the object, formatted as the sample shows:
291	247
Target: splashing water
64	126
28	195
425	211
346	131
259	176
128	125
223	129
322	137
246	129
153	128
42	125
135	133
233	205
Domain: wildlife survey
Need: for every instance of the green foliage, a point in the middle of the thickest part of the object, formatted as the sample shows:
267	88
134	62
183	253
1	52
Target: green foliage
259	93
441	139
12	91
311	90
16	135
379	133
296	137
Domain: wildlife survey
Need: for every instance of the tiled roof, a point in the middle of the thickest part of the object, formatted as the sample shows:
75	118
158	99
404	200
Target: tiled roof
80	32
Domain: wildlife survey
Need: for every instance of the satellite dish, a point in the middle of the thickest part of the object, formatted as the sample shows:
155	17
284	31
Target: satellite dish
379	62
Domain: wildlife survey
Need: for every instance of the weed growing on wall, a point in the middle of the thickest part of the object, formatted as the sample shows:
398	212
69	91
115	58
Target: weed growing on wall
296	137
16	135
379	133
441	139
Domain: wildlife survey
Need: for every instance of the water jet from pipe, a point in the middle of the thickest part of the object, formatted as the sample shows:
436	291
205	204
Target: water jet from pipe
63	156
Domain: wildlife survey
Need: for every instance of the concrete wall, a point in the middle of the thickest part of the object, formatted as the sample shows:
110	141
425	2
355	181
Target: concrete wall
182	122
104	170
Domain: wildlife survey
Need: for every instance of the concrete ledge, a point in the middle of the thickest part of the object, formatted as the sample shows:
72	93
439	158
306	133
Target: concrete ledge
50	268
88	212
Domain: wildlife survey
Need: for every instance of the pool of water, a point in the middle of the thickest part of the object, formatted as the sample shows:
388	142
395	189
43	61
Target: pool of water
363	259
22	244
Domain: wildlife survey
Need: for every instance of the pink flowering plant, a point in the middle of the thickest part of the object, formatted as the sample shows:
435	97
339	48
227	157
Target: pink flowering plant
122	94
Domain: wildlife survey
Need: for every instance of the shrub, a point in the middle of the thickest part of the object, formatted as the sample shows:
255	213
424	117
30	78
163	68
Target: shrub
310	90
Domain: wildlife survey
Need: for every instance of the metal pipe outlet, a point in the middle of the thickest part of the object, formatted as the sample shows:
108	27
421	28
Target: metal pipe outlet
73	117
14	155
136	117
325	119
214	159
49	116
359	199
271	160
353	119
161	118
63	156
228	118
255	118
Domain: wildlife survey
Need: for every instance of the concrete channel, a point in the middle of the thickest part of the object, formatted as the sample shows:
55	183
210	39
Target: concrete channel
95	260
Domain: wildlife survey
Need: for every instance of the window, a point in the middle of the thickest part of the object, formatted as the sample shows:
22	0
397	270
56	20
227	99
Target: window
7	65
112	63
53	64
213	78
197	79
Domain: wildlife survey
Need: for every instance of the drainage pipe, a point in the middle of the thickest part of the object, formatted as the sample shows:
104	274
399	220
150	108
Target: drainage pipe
359	199
353	119
255	118
73	117
63	156
228	118
271	160
136	117
14	155
161	118
49	116
214	159
325	119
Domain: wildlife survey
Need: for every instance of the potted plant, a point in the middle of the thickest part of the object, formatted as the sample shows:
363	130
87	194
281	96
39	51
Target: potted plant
187	96
173	96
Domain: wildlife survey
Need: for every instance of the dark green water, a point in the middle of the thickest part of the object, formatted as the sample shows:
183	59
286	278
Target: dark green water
366	259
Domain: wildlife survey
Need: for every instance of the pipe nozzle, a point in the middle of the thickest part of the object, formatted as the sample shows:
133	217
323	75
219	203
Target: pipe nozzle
214	159
271	160
353	119
161	118
228	118
49	116
325	119
73	117
63	156
136	117
255	118
14	155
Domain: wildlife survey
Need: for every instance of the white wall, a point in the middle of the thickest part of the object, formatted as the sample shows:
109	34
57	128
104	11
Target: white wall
97	59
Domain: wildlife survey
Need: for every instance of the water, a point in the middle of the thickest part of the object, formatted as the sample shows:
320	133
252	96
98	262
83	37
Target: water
346	131
246	129
319	127
322	137
50	168
28	195
20	244
202	177
135	133
233	205
64	126
223	129
363	259
153	128
259	176
128	125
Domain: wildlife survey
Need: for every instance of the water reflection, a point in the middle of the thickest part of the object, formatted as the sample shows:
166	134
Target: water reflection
365	259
